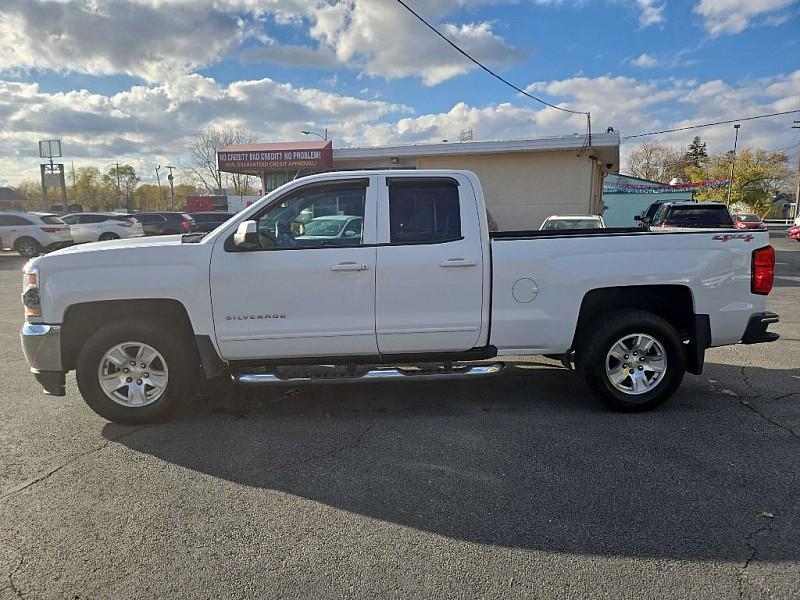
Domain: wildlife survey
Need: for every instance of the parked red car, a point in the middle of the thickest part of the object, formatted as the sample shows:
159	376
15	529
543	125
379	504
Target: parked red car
748	221
793	233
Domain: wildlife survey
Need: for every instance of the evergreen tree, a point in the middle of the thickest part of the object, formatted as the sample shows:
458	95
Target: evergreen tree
696	153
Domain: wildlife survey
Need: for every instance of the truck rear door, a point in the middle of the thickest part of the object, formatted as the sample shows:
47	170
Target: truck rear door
430	265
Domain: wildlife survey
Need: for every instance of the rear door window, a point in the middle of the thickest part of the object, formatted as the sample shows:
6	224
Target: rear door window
699	216
424	212
11	220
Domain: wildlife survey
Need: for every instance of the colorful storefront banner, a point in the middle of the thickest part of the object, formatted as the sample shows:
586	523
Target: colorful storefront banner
661	188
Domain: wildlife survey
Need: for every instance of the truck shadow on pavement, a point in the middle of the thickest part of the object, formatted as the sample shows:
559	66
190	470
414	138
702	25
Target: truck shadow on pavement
526	460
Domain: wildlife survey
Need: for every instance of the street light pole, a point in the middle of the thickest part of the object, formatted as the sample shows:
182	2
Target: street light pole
316	133
733	162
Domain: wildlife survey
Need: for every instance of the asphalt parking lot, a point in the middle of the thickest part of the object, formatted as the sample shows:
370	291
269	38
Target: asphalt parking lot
520	486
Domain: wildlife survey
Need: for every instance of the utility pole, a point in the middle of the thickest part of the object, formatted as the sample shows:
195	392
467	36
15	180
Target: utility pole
171	185
119	189
797	192
733	162
160	192
74	184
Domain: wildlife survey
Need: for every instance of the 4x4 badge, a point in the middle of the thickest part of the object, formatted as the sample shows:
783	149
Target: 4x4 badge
724	237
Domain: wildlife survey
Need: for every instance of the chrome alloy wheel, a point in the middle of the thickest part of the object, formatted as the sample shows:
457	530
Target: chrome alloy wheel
133	374
636	363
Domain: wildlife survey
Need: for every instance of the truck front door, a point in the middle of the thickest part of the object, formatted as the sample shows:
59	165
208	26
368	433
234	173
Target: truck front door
298	295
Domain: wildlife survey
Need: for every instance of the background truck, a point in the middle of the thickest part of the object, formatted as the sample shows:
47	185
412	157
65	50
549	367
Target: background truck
420	290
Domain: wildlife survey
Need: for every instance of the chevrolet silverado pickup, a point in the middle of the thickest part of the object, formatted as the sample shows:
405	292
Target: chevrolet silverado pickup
414	287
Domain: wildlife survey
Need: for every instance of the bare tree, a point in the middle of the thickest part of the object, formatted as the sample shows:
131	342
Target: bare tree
656	162
204	147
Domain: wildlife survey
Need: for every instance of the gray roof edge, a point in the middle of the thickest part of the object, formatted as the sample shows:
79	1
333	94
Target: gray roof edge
570	142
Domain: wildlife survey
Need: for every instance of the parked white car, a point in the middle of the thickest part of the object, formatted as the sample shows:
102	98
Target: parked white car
419	293
559	222
102	226
31	233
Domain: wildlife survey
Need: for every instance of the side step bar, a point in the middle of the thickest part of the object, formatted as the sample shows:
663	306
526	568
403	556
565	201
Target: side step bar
389	374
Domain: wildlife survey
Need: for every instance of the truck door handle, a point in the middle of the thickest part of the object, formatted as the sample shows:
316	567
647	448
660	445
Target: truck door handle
349	266
458	262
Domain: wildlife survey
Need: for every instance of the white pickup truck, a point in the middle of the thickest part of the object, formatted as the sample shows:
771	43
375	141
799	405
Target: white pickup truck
413	287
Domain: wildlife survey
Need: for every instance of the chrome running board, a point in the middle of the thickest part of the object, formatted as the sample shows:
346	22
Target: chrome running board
390	374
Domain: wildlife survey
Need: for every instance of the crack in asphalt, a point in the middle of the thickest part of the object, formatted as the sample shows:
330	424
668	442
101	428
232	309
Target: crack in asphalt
11	585
332	452
778	424
756	395
38	479
748	383
748	540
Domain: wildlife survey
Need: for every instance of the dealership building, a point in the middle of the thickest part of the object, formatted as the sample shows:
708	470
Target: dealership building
524	181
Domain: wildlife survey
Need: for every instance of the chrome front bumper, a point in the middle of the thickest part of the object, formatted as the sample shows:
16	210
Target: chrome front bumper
41	345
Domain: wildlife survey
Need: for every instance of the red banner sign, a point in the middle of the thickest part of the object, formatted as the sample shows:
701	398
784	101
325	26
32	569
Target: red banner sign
275	157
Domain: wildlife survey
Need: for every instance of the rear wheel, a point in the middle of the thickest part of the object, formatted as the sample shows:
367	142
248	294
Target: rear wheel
28	247
633	360
137	371
104	237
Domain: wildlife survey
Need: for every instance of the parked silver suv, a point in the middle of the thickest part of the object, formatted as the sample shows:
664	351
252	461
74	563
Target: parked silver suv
31	234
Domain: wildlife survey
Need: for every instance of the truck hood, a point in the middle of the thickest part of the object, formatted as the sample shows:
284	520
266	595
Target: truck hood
138	242
126	254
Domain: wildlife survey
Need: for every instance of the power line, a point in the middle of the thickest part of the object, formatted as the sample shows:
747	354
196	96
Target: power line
484	67
777	114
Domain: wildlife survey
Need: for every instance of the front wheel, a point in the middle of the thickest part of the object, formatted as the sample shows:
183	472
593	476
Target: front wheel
136	371
108	236
633	360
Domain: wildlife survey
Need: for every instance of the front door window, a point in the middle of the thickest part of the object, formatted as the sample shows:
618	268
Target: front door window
314	217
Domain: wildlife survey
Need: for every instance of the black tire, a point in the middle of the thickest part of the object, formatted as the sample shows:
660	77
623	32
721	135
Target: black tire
605	332
104	237
177	349
28	247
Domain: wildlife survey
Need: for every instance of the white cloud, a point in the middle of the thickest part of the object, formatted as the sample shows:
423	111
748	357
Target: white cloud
158	120
652	13
645	61
387	41
103	37
733	16
154	39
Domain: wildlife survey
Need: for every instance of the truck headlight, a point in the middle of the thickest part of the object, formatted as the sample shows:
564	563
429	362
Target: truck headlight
30	292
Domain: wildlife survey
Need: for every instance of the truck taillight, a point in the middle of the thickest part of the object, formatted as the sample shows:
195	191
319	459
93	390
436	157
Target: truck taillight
763	270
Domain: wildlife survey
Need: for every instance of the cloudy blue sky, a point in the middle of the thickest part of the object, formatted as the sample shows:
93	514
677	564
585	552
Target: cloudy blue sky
133	80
